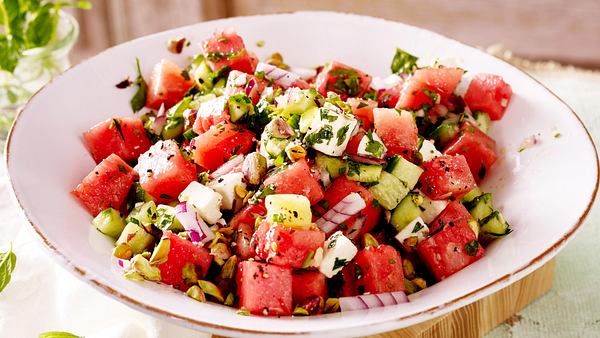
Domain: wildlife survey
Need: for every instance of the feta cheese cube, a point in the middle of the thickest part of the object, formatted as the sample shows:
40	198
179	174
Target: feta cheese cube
330	131
417	228
371	145
213	107
431	209
463	85
339	251
206	201
225	186
428	151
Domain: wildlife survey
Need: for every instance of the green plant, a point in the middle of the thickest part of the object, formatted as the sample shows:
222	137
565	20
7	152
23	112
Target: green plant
26	24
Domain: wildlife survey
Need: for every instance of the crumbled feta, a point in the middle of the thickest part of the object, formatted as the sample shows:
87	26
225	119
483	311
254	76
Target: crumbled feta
338	252
428	151
416	228
225	185
213	107
206	201
371	145
432	208
463	85
330	131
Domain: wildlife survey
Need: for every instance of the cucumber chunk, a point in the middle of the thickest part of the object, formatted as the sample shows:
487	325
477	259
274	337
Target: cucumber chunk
389	191
471	195
166	219
335	166
363	172
483	121
136	237
481	206
405	171
240	106
307	118
109	222
494	226
444	133
406	211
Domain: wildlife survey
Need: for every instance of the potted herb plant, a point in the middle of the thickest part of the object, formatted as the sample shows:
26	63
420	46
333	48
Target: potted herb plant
36	37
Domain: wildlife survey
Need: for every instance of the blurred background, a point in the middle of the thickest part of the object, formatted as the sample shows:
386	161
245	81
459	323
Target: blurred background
560	30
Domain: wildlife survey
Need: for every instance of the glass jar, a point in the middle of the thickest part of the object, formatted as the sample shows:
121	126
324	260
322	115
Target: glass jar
36	67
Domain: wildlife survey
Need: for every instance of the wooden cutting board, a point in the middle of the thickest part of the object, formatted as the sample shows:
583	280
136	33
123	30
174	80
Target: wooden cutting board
479	318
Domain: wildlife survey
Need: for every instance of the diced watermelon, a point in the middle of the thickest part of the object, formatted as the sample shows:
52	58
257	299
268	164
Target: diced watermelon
123	136
425	84
243	222
297	179
226	49
397	130
182	252
106	186
264	288
219	143
166	85
348	276
337	191
363	110
380	270
453	214
478	148
450	250
446	176
307	284
164	172
285	246
488	93
389	97
343	80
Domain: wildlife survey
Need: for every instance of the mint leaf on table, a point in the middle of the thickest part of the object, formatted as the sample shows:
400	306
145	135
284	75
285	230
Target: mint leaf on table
57	334
8	261
138	101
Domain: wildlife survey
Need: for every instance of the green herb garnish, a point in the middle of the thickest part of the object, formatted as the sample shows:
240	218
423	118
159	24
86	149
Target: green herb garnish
471	248
138	101
8	261
403	62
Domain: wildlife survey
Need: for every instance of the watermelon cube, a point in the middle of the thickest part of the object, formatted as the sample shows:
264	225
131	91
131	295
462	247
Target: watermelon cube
297	179
124	136
379	269
182	252
446	176
306	284
453	214
264	288
106	186
343	80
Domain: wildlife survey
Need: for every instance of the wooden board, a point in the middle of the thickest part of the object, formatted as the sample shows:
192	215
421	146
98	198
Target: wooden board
479	318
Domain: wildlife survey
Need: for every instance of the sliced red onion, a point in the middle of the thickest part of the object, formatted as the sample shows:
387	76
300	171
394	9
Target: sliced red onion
304	73
367	160
280	76
370	301
346	208
228	167
356	227
161	111
188	217
250	86
158	124
119	265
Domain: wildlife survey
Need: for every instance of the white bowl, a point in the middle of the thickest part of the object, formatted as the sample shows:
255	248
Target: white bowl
545	192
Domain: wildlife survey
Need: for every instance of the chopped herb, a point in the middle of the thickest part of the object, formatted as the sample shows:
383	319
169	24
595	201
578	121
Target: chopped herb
417	227
279	160
185	74
122	169
341	134
319	136
431	94
165	196
332	241
403	62
557	135
279	218
189	134
308	259
325	115
353	168
243	312
114	123
347	81
339	263
371	96
471	248
138	101
324	204
374	147
8	261
58	334
361	105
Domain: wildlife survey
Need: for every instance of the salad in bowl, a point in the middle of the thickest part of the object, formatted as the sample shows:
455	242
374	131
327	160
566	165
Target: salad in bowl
287	191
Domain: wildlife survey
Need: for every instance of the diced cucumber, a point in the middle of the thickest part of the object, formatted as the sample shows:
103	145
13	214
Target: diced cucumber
136	237
471	195
407	210
481	207
444	133
307	118
239	105
335	166
173	128
201	73
363	172
166	219
147	213
483	121
289	210
140	194
109	222
405	171
298	101
474	225
275	146
389	191
219	85
494	226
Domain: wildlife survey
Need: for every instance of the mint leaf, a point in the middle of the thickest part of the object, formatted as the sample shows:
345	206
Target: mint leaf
138	101
42	28
57	334
8	261
403	62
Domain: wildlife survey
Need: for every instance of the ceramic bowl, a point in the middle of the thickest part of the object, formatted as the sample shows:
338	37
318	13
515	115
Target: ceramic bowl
545	192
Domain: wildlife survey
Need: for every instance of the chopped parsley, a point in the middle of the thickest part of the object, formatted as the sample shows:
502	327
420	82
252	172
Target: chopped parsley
114	123
361	105
165	196
353	168
279	218
339	263
431	94
417	227
347	81
374	147
319	136
325	115
403	62
471	248
341	134
308	259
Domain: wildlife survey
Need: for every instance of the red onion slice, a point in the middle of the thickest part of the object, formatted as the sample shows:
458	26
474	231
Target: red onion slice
371	301
188	217
119	265
346	208
158	124
228	167
356	227
279	76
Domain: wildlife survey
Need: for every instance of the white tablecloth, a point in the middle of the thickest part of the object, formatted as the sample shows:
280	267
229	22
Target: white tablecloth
42	296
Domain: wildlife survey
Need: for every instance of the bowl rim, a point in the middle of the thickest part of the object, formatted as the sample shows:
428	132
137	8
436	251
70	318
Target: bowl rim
466	299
